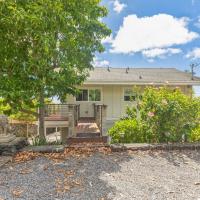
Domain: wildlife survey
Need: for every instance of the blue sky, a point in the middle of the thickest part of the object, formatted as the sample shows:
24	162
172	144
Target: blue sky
152	33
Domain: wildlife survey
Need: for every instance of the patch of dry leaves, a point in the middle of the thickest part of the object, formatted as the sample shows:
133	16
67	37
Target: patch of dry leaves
78	152
25	156
66	183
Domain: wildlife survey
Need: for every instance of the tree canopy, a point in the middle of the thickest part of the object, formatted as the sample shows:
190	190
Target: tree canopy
47	47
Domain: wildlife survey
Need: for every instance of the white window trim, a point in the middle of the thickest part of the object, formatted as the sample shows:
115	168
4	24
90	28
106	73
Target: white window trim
126	88
91	88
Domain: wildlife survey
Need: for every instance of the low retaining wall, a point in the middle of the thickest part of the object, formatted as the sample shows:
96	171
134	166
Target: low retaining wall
147	147
114	147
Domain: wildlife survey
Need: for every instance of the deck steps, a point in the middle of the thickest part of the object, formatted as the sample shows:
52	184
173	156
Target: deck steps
79	140
84	135
88	145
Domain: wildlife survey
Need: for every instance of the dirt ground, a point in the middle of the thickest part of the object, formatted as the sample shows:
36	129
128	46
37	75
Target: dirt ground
99	176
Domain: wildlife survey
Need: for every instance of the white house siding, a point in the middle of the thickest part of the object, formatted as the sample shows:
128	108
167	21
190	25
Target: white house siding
113	97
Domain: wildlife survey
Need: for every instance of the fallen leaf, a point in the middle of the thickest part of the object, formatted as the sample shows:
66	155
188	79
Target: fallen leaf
69	173
197	183
17	192
26	171
76	182
66	188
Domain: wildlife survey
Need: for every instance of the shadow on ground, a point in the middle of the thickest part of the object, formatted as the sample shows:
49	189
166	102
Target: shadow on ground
177	157
73	178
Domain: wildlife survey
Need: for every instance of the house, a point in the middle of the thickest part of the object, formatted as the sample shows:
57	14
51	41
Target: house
113	87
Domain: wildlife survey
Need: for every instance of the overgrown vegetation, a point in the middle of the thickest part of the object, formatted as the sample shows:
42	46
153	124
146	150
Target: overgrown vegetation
161	115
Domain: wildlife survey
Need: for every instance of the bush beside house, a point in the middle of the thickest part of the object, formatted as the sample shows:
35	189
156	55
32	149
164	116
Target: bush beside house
161	115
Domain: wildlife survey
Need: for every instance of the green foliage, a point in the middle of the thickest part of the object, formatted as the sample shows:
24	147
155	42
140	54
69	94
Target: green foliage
165	115
168	114
6	109
39	141
126	131
195	135
47	47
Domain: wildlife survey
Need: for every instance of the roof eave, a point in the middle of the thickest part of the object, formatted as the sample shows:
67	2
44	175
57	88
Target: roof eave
192	83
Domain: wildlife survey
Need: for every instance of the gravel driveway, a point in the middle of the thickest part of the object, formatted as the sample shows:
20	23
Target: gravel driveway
138	175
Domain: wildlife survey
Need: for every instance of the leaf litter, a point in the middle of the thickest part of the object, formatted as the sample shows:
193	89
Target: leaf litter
68	152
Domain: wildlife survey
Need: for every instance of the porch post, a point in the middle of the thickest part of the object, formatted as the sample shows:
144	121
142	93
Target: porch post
103	120
64	134
71	131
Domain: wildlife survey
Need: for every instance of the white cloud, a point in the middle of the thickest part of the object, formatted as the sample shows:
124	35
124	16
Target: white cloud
158	31
118	7
161	53
194	54
197	24
100	63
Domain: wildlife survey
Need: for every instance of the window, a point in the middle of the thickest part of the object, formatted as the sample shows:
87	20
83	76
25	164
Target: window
95	95
82	95
129	95
89	95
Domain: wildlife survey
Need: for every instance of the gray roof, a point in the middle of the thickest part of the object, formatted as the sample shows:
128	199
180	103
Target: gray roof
101	75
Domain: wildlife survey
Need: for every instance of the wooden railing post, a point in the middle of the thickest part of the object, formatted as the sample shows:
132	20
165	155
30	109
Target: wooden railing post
103	120
71	125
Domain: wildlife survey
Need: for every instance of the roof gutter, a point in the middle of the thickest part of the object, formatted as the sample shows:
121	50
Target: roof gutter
174	83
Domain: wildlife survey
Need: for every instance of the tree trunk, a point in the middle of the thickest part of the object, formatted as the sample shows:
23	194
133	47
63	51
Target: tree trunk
41	116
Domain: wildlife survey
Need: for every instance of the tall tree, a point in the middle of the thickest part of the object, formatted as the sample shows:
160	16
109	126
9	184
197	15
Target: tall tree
46	49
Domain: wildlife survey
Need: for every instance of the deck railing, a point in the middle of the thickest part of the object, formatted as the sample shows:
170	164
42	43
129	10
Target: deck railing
62	110
100	116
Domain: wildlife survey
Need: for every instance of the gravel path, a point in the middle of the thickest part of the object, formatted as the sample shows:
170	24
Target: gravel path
120	176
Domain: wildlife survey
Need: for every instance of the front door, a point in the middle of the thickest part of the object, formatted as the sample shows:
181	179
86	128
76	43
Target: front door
86	109
86	98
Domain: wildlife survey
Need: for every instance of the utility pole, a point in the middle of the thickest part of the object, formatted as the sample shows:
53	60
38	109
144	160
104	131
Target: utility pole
193	66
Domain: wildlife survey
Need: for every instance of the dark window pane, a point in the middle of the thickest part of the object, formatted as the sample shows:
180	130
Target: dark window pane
126	98
85	95
82	95
79	97
129	95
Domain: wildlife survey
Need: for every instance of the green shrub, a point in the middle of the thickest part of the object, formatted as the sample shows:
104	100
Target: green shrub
169	115
195	135
126	131
161	115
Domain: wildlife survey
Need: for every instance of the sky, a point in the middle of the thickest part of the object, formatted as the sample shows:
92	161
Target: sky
152	33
